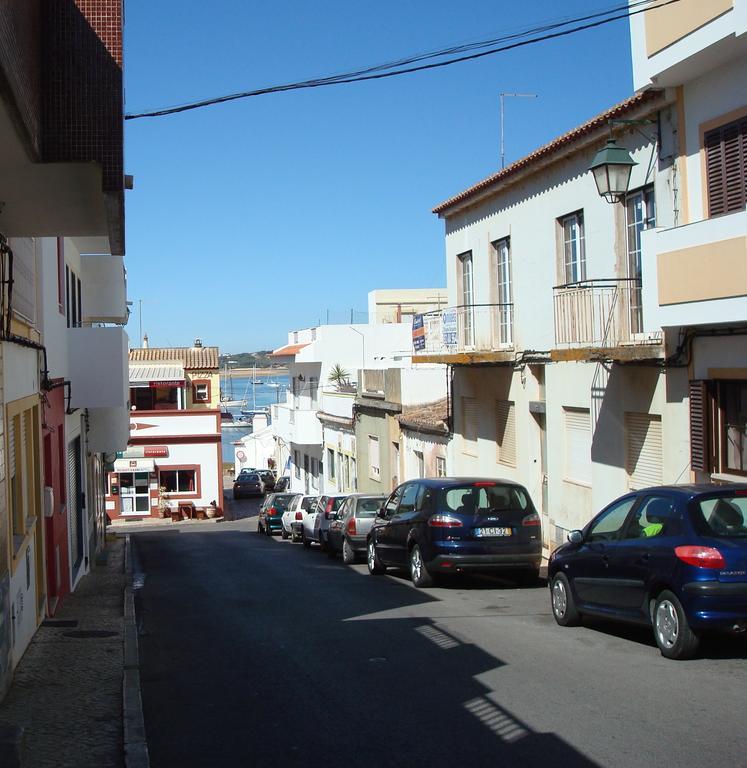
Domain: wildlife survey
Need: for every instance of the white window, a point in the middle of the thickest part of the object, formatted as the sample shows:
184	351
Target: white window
331	464
420	463
574	248
578	445
374	467
440	466
201	393
469	426
643	449
466	326
504	310
640	214
505	432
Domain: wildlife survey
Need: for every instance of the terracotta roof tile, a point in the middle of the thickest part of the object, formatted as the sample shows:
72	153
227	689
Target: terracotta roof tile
428	417
289	350
189	357
556	146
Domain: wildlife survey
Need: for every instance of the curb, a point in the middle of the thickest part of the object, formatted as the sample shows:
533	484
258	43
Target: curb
135	744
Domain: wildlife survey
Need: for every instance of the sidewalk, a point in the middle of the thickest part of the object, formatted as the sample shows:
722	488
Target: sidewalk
67	692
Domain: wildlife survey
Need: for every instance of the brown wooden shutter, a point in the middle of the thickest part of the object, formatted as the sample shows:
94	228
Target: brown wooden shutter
700	453
726	167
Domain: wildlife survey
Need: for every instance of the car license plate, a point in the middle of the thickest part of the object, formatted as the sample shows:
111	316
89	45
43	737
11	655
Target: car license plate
484	532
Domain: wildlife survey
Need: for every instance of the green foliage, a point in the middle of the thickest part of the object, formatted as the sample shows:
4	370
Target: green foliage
339	376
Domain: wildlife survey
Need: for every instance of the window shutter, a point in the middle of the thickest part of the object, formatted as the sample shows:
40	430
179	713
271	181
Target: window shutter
643	449
699	427
505	432
373	456
726	167
578	444
11	446
469	425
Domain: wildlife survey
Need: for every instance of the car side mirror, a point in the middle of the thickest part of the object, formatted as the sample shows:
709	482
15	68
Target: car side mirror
381	513
575	537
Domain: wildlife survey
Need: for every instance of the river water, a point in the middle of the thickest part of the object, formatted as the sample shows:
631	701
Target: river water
260	395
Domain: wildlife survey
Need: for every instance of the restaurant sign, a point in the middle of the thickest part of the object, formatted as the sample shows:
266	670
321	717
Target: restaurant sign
173	384
144	452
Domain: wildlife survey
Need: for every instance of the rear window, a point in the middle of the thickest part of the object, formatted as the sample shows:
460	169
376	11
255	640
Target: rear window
721	516
249	478
309	502
368	507
282	500
337	502
469	498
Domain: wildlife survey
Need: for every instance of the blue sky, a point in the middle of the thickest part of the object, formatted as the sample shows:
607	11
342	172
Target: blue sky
253	218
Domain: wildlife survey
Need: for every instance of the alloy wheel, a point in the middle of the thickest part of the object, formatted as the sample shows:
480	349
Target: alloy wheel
416	564
559	598
667	624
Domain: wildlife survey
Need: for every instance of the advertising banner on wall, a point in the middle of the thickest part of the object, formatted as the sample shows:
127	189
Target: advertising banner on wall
449	328
418	333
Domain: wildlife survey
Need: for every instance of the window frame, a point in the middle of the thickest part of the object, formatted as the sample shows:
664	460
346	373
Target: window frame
715	130
177	468
573	248
196	384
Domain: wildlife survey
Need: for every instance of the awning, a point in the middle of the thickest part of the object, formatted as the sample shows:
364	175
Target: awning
134	465
169	374
289	350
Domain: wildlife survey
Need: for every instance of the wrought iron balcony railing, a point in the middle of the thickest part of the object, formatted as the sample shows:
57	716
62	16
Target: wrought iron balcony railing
600	313
467	328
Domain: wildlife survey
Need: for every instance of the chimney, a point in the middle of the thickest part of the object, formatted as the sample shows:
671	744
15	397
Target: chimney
197	344
145	341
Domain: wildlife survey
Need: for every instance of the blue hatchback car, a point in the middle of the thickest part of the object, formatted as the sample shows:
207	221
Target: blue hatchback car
671	557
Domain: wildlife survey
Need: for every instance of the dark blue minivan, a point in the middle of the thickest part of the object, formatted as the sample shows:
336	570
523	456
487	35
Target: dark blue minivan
672	557
435	526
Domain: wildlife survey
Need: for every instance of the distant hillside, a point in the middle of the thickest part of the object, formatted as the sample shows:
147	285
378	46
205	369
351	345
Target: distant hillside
261	359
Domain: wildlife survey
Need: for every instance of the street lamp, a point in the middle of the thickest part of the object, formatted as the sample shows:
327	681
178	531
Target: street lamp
611	168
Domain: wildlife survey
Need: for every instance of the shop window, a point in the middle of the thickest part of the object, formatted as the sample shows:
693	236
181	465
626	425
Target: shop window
178	480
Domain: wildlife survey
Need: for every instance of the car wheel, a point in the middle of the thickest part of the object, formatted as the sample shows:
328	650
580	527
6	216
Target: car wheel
349	555
259	527
268	530
672	632
419	574
305	541
294	537
284	534
236	496
563	605
375	566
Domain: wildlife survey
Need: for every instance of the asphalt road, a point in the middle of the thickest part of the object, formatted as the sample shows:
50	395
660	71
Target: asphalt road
257	652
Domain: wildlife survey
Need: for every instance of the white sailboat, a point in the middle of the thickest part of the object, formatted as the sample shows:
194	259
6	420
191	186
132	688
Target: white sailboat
227	399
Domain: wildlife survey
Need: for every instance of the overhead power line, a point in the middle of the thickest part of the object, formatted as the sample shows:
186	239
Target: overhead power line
409	65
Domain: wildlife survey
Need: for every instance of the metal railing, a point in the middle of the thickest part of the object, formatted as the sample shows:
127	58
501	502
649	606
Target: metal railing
467	328
604	313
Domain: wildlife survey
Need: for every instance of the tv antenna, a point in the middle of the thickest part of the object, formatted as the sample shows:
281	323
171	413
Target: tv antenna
504	94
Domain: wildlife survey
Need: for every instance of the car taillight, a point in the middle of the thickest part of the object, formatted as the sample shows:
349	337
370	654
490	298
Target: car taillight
272	511
328	509
484	484
533	519
299	515
352	530
701	557
444	521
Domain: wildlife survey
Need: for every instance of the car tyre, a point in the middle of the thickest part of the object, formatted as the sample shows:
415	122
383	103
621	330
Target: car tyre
419	574
295	537
268	530
305	541
672	632
283	534
561	600
375	566
349	555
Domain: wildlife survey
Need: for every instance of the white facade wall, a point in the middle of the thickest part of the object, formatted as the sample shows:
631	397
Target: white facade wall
423	384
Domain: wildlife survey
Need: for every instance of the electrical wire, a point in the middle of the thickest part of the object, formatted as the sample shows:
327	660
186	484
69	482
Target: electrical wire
402	66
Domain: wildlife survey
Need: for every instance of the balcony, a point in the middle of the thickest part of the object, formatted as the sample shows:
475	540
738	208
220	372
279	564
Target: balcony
98	367
478	333
602	319
698	273
104	289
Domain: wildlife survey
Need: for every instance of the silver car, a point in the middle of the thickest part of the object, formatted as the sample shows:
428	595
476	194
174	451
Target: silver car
350	526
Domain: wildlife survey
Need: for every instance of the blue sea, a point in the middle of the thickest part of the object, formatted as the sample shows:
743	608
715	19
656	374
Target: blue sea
257	396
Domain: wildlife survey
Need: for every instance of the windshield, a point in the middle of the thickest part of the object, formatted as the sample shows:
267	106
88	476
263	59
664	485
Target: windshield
722	516
369	506
474	498
282	500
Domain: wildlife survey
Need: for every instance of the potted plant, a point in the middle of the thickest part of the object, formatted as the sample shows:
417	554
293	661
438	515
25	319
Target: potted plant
211	510
163	502
339	376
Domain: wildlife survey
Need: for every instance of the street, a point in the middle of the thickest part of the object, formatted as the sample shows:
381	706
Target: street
255	651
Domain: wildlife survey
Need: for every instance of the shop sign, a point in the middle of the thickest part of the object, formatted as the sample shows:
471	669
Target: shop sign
172	384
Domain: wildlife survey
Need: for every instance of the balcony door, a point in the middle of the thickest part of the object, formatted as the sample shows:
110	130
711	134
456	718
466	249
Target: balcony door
503	317
640	214
467	300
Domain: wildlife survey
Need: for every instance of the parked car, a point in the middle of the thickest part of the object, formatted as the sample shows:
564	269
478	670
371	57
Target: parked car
326	508
269	519
449	525
348	530
269	478
673	558
294	515
248	484
282	484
